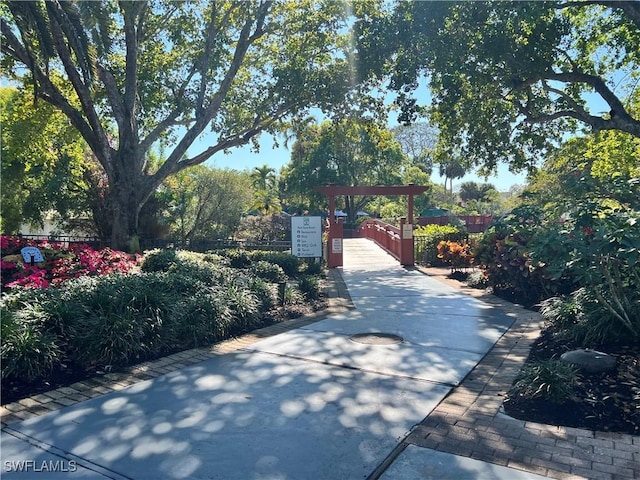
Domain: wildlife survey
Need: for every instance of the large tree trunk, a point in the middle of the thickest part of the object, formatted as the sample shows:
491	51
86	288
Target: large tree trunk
126	212
129	192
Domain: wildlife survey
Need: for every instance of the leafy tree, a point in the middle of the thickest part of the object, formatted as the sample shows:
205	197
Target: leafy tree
417	176
475	191
42	165
603	156
418	142
347	153
206	203
145	72
509	79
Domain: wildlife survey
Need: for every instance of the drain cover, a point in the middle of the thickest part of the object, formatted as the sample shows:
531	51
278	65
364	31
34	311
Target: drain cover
376	338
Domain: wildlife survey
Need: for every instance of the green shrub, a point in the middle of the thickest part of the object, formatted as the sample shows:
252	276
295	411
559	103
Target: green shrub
237	258
204	273
180	300
246	259
159	260
561	312
437	232
427	238
290	264
309	287
27	351
504	252
244	307
263	292
123	319
52	309
551	380
594	323
268	271
312	267
201	318
292	296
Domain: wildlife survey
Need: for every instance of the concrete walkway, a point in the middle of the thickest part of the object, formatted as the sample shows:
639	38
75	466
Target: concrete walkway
319	399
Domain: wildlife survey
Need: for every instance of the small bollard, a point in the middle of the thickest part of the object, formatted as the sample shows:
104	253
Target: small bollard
282	286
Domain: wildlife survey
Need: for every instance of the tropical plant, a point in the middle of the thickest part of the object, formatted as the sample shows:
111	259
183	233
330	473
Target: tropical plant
457	255
427	238
504	253
61	263
552	380
599	247
263	178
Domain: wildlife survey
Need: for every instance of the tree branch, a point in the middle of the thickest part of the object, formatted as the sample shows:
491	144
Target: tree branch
91	130
245	40
620	118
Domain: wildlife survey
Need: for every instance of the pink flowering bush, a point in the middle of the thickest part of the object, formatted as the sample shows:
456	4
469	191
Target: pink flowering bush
61	263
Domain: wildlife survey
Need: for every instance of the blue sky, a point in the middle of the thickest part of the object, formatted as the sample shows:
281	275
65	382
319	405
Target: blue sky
244	159
276	157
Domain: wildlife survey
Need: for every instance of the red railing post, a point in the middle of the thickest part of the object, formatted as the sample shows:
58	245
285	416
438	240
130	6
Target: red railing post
334	244
406	243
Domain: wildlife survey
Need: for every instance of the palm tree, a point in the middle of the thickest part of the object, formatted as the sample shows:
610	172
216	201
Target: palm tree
264	177
450	170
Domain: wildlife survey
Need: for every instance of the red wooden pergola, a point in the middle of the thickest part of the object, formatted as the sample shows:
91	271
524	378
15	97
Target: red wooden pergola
334	247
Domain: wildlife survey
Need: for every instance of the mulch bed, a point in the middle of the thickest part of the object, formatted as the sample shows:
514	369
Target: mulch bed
605	402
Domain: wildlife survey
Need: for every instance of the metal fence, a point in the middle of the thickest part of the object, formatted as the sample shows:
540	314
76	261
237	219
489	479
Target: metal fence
151	243
425	248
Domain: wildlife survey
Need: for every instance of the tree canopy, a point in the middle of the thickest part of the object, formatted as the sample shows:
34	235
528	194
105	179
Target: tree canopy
509	79
350	153
43	164
418	142
163	71
205	203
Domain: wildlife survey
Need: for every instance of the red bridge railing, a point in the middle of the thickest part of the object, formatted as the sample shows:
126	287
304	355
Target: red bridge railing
385	235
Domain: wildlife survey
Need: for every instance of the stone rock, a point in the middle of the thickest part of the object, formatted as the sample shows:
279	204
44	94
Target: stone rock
590	361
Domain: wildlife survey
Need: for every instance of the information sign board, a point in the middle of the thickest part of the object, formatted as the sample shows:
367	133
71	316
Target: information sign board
306	237
336	245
